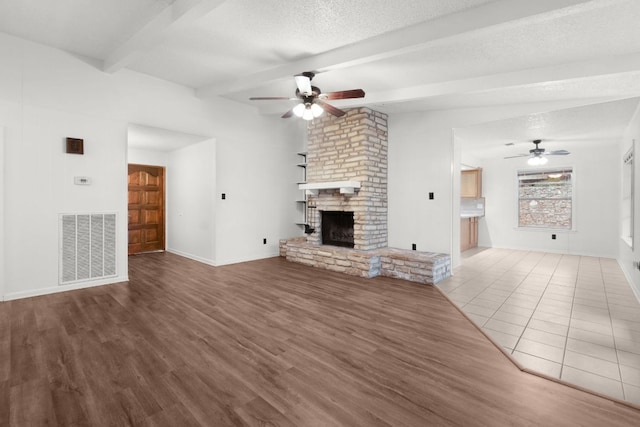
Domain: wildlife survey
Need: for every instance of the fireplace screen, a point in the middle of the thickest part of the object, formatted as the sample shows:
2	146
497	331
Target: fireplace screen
337	228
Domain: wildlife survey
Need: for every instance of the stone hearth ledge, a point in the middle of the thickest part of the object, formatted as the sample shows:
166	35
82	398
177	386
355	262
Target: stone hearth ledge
415	266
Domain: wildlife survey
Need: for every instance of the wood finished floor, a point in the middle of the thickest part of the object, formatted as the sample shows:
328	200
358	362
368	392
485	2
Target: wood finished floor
266	343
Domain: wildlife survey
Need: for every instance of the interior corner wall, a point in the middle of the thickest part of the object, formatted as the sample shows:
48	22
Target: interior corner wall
627	256
596	210
423	158
190	203
256	170
47	95
420	162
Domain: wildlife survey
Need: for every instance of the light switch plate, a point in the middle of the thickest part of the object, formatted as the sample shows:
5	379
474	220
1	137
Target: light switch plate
81	180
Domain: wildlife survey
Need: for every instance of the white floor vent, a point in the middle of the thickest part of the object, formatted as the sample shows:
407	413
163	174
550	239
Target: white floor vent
87	247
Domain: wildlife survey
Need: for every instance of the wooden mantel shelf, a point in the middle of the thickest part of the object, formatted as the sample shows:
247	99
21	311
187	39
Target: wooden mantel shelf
346	187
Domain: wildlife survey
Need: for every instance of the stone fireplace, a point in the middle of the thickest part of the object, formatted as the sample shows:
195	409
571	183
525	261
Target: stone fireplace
347	199
350	149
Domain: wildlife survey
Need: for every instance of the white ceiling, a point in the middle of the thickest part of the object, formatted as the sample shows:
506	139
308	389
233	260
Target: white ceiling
407	55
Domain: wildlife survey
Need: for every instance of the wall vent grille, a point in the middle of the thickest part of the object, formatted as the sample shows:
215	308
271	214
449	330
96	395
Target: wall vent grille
87	247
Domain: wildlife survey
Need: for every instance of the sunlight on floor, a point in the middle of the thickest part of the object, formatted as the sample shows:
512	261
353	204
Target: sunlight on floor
570	317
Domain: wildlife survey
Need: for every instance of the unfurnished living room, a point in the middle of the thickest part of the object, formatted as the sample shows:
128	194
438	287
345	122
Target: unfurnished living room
321	213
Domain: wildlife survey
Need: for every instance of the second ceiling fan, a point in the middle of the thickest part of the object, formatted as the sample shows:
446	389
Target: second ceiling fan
311	99
537	155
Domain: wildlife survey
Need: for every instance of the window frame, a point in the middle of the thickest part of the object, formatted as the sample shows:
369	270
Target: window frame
547	170
628	183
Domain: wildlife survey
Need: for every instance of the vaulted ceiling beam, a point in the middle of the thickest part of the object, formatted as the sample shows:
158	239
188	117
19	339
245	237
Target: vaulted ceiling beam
488	17
179	14
569	73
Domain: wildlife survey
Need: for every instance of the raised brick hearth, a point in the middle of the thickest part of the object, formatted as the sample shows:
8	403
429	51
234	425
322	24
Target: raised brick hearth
347	171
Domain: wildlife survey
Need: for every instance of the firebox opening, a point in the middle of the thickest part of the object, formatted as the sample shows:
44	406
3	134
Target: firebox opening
337	228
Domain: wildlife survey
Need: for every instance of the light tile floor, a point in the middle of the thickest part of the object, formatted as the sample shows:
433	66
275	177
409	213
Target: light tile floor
570	317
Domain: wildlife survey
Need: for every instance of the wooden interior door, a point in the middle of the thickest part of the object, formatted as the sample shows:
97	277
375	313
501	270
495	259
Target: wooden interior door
146	208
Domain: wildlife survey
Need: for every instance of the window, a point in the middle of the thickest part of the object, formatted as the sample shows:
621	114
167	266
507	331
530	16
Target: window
545	198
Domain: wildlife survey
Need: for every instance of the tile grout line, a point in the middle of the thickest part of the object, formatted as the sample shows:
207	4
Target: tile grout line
573	300
613	335
489	285
534	309
584	265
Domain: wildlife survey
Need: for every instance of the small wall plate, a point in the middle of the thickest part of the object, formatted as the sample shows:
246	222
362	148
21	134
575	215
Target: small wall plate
75	146
81	180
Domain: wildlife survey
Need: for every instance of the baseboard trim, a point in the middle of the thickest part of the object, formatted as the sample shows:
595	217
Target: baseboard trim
193	257
64	288
635	291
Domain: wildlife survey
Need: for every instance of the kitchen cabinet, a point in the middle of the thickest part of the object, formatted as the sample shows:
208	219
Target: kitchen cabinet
471	183
468	233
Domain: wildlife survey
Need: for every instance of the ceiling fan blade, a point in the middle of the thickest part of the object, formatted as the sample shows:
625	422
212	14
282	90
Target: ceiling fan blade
519	155
287	114
269	98
558	153
344	94
330	108
304	84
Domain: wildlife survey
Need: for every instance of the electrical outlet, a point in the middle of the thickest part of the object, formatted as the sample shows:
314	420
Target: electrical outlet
413	246
431	196
264	241
553	237
224	196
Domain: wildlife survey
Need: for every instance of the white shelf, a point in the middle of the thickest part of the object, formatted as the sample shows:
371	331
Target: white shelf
301	203
346	187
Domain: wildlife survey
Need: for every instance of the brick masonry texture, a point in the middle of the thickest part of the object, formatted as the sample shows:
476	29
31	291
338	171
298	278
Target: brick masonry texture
354	148
414	266
351	148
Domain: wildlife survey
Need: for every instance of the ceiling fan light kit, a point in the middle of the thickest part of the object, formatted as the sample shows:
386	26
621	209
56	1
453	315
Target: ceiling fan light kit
537	161
307	111
311	99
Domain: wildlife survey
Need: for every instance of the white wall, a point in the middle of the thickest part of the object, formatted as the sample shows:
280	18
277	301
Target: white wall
2	239
47	95
628	256
259	181
147	157
41	187
596	211
420	161
190	201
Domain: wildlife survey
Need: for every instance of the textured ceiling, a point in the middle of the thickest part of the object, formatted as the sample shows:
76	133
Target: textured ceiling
600	123
407	55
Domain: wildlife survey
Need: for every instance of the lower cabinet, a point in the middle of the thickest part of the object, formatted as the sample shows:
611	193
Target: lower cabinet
468	233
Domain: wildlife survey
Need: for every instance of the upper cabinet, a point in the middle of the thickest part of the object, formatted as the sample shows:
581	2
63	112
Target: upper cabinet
471	183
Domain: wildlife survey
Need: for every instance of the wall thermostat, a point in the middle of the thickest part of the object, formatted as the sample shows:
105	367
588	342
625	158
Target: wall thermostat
81	180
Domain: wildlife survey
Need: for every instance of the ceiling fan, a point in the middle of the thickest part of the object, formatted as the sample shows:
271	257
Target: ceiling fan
537	155
311	99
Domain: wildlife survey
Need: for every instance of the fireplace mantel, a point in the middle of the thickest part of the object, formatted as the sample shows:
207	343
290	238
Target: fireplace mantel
346	187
